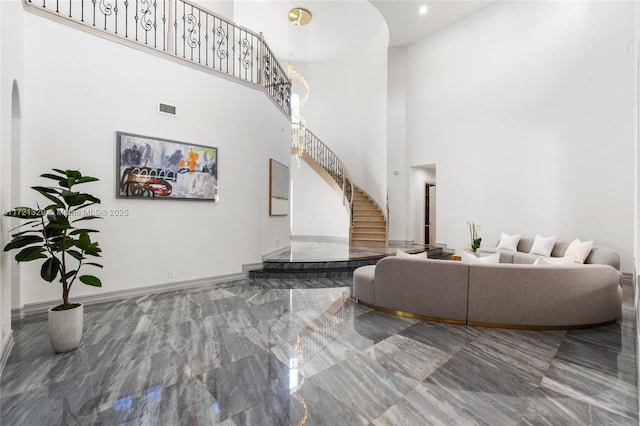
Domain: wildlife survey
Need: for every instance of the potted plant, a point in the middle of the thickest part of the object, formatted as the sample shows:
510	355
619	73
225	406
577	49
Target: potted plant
475	239
51	233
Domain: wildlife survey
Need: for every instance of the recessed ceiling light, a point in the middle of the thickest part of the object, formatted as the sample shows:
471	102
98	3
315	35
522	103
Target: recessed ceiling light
423	9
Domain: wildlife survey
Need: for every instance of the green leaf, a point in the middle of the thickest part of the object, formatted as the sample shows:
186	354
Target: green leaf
73	174
84	242
74	199
88	218
61	226
85	179
75	254
50	269
66	276
22	241
93	264
78	231
94	250
62	172
31	231
47	192
91	280
89	197
51	176
30	253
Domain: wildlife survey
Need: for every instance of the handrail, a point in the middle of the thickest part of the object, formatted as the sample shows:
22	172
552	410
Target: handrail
186	31
331	163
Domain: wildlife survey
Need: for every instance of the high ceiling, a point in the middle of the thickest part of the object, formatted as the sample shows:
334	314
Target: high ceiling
406	25
339	27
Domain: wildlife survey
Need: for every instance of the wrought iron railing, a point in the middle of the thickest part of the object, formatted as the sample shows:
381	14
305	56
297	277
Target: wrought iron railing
330	162
186	31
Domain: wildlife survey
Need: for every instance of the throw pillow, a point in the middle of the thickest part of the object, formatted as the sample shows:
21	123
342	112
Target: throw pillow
543	246
556	261
509	242
493	258
579	249
406	255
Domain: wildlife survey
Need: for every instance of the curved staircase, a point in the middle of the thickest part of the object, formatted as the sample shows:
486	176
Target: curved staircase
368	222
368	226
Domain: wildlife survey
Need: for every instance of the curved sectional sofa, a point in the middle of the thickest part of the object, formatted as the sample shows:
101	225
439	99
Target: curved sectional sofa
512	295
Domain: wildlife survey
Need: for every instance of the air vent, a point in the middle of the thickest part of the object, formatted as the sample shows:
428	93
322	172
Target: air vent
166	109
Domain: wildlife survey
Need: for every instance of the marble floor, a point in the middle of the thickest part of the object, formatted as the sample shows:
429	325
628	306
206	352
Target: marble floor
292	352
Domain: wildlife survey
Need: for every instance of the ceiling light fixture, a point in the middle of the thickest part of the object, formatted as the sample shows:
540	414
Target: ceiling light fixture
423	9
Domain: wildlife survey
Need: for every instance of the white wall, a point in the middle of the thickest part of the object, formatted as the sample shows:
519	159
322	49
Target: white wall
347	111
11	54
80	89
527	108
399	225
319	210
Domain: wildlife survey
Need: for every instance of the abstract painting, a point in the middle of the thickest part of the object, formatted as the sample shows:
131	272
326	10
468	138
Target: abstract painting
149	167
278	189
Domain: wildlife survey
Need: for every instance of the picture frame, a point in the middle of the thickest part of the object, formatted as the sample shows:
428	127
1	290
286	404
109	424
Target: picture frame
278	188
155	168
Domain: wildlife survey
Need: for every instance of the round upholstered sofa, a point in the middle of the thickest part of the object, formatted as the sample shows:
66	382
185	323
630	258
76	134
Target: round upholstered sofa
513	295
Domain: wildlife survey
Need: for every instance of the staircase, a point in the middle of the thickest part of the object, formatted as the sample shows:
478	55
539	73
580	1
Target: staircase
368	222
369	226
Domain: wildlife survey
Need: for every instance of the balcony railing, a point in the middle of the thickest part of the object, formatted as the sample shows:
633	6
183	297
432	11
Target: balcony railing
330	162
186	31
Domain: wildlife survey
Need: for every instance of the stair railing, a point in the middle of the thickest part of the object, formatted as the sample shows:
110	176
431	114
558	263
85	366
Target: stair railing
331	163
185	31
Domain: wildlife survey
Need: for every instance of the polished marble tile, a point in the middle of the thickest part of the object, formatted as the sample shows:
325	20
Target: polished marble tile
119	382
364	385
69	402
269	351
550	408
407	357
592	387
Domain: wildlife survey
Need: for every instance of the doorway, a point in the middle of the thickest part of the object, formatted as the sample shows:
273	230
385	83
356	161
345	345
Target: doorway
429	213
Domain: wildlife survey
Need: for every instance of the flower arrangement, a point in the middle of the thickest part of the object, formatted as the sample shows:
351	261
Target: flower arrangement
475	239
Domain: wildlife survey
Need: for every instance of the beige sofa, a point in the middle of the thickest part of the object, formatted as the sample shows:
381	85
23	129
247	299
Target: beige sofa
502	295
598	255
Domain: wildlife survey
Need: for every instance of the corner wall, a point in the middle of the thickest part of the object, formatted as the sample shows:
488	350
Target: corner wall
11	54
527	108
80	89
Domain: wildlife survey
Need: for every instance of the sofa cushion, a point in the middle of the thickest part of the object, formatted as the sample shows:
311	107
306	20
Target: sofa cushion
559	261
525	258
508	242
543	246
404	254
487	258
579	250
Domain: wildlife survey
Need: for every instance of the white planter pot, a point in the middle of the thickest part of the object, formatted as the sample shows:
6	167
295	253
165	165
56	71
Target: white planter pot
65	328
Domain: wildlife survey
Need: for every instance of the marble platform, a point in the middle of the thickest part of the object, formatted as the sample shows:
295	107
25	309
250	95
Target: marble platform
283	352
324	259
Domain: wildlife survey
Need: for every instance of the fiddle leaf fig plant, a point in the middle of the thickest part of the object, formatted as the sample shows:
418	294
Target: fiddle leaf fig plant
52	232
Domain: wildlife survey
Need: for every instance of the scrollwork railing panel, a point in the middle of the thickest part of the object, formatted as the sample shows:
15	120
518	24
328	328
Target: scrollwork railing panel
330	162
186	31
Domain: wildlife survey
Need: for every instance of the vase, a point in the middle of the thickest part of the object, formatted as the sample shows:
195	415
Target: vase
65	328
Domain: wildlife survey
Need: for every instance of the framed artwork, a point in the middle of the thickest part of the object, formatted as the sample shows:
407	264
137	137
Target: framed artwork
149	167
278	189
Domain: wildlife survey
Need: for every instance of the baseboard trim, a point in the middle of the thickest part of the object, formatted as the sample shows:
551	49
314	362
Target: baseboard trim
320	238
6	351
17	314
40	307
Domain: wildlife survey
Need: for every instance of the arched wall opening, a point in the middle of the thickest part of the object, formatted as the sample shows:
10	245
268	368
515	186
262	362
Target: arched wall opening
13	181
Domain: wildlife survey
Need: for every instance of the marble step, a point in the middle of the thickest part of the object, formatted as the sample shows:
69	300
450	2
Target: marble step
323	269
